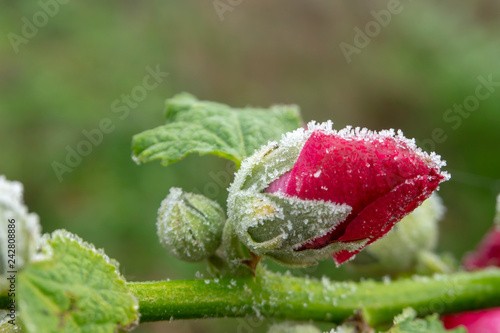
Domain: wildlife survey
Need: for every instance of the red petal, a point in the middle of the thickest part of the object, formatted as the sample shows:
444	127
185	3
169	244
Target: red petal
378	218
359	172
487	253
484	321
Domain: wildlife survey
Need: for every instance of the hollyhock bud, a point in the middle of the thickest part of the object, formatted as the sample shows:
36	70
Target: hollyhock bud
190	225
323	192
483	321
488	251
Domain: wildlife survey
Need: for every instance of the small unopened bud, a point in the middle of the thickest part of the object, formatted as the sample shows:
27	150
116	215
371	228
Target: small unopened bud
190	225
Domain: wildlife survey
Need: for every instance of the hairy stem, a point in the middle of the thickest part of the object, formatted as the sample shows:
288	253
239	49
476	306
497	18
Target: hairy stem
282	296
278	296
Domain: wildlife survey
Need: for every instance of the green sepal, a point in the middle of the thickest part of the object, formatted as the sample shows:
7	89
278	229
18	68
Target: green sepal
274	226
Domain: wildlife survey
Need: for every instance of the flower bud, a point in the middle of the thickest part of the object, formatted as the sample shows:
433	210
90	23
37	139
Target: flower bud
488	251
321	192
398	251
20	230
190	225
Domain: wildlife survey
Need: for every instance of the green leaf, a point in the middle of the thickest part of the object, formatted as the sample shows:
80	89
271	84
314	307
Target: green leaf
203	127
72	287
406	323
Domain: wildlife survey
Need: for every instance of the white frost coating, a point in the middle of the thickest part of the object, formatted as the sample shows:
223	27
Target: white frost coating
27	227
5	326
166	232
46	252
136	159
66	236
350	133
326	217
408	313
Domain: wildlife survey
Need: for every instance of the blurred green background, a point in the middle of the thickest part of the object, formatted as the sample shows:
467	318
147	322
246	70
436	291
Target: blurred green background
67	74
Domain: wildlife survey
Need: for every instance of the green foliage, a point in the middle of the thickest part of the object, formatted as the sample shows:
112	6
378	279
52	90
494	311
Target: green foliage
74	288
202	127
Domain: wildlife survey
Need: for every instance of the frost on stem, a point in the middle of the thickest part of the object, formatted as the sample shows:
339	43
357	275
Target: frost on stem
321	192
190	225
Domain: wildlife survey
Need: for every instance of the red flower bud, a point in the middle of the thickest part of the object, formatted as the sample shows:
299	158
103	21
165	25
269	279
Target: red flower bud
484	321
488	251
381	176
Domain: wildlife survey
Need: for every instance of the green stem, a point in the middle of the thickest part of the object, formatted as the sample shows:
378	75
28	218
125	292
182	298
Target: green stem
286	297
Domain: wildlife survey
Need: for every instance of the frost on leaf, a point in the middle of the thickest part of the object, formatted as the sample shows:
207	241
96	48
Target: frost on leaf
15	223
408	323
74	287
203	127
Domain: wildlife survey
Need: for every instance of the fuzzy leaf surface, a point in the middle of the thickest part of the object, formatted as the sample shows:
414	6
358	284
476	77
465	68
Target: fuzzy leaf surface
74	288
203	127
